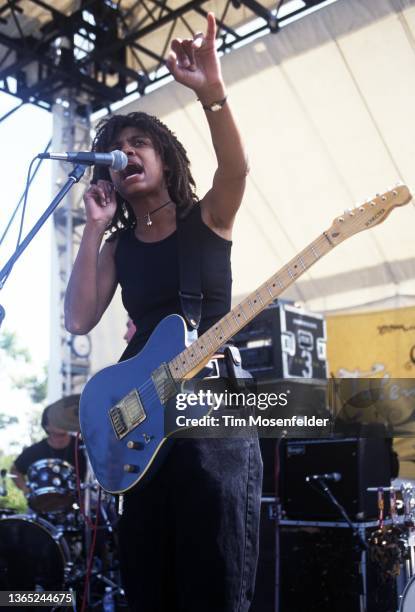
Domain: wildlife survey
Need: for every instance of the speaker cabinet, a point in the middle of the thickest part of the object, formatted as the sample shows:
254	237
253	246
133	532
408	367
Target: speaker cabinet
307	566
362	463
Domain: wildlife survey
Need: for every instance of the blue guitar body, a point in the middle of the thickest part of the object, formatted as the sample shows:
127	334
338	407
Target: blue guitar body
117	465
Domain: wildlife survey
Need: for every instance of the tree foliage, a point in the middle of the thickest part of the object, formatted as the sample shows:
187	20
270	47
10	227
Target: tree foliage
6	420
16	359
14	498
36	387
9	344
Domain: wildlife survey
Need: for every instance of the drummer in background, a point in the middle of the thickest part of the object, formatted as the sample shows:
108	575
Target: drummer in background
59	444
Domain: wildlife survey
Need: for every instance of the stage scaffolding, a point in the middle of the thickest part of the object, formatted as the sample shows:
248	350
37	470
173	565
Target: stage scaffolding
69	359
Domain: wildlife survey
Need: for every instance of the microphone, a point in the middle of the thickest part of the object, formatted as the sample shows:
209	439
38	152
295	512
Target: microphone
334	476
117	160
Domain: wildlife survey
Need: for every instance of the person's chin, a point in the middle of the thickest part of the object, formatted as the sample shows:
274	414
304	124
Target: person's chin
135	189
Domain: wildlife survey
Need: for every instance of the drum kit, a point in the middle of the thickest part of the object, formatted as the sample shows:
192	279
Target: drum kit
53	547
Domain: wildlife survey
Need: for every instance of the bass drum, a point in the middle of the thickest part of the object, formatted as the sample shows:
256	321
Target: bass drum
34	556
408	597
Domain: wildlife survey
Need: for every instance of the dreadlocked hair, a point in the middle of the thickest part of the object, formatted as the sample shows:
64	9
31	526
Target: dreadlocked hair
179	180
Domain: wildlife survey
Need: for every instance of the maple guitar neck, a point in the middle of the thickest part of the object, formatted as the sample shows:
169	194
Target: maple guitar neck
190	361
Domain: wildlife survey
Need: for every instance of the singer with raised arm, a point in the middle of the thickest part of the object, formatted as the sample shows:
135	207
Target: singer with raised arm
188	537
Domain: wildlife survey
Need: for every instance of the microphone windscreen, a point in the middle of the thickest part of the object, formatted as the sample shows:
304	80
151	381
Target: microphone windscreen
120	160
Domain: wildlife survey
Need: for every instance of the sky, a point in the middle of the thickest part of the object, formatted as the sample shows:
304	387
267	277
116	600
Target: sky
26	294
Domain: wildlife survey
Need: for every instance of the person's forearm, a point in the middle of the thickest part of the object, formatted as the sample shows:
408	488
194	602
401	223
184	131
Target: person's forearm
20	480
81	298
20	483
226	138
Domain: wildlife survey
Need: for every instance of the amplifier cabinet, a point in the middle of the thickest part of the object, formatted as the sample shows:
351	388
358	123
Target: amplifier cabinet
361	462
317	566
323	569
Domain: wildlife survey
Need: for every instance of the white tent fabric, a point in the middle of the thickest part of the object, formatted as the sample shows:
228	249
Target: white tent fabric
326	110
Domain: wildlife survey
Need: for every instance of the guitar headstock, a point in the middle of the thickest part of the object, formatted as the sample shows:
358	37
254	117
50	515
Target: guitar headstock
369	214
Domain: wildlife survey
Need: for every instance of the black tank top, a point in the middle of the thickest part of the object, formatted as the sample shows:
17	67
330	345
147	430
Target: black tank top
148	273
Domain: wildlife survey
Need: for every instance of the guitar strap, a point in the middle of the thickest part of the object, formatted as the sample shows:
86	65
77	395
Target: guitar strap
190	289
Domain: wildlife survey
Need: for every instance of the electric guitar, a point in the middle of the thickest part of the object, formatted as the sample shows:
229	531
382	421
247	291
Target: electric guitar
122	407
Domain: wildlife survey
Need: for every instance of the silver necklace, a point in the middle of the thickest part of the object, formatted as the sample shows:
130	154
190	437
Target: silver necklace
147	217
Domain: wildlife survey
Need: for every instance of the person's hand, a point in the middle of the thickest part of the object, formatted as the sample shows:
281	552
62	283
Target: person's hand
195	64
100	203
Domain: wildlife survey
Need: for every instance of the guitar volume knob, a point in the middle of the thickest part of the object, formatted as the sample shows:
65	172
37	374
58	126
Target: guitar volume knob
135	445
131	468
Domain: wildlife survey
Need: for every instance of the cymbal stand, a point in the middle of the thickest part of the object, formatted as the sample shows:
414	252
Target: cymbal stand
85	502
107	521
109	576
112	589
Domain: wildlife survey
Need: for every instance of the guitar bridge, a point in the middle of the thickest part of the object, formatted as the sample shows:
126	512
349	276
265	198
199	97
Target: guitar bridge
127	414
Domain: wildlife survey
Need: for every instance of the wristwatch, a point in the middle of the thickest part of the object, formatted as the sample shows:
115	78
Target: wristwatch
215	106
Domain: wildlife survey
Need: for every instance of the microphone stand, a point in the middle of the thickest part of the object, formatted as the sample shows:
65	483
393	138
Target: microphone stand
326	491
73	177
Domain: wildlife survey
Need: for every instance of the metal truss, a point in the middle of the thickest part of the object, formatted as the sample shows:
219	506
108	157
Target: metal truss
69	365
103	50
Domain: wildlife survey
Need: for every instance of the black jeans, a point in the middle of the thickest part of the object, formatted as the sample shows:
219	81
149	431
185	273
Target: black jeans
189	537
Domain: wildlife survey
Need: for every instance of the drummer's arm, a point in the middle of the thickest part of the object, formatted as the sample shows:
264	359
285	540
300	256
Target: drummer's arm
20	480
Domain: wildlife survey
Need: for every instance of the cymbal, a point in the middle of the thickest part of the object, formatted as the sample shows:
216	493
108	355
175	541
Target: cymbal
64	413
